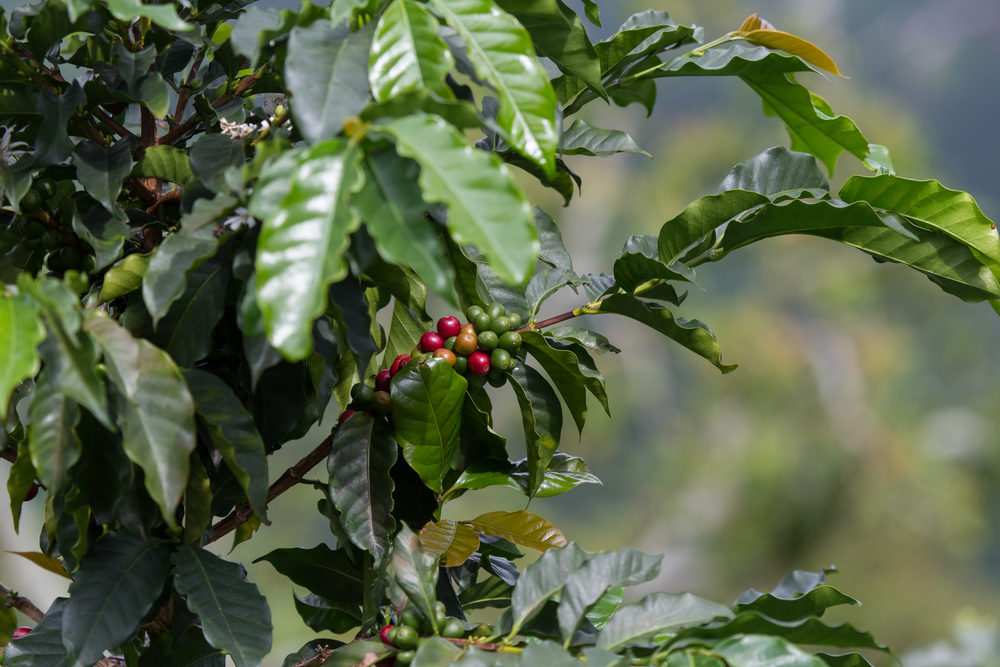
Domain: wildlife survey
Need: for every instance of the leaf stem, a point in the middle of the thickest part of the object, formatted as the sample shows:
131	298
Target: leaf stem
185	127
22	604
113	124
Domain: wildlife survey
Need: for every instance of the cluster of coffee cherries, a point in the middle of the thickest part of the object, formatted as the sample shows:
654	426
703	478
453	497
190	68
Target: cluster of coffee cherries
414	629
61	255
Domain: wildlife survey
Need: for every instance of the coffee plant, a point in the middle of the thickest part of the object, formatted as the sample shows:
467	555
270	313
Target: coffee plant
208	206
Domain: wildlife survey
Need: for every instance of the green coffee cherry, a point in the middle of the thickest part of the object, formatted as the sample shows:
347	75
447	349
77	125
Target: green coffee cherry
482	322
88	264
45	187
405	657
476	381
30	243
461	364
51	239
511	341
361	396
498	380
500	325
453	629
70	257
53	262
495	310
406	637
440	618
488	341
411	617
31	202
515	320
34	229
449	343
500	359
473	312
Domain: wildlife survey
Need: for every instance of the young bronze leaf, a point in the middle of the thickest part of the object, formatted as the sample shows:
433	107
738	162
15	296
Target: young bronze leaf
521	527
453	542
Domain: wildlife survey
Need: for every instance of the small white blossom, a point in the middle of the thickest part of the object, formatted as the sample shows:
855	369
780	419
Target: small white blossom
10	150
240	218
236	130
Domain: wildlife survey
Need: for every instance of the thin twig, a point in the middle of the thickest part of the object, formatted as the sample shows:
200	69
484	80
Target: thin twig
288	479
182	96
9	454
549	322
185	127
115	126
21	603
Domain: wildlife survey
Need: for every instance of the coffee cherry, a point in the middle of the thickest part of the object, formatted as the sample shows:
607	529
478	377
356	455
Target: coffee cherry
453	629
449	343
70	257
447	355
461	364
33	229
496	310
466	344
515	320
31	202
468	329
479	363
383	635
361	396
473	312
381	403
500	359
32	492
440	619
498	380
511	341
45	187
30	243
500	325
345	415
406	637
88	264
476	381
405	657
431	341
488	341
482	322
411	617
21	632
398	363
51	239
53	262
449	326
382	380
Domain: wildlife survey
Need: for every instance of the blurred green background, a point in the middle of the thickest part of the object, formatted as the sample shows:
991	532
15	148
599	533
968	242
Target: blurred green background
860	429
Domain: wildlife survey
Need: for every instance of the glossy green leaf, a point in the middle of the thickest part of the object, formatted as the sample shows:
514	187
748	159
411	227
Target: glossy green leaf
564	473
655	614
551	248
477	439
541	580
503	54
812	603
605	607
257	351
845	660
546	654
582	138
103	232
639	270
234	615
404	333
233	433
541	417
54	444
593	12
692	334
300	248
807	631
321	614
737	58
544	284
775	170
611	569
119	580
185	332
754	651
124	277
415	571
436	652
43	646
330	574
22	331
362	454
198	502
407	55
327	75
491	592
427	413
591	340
701	218
453	542
485	206
165	163
257	28
491	287
642	34
355	653
164	16
102	170
351	309
155	411
192	650
19	480
393	209
521	527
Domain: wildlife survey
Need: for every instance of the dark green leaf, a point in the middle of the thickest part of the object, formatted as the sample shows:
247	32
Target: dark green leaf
211	156
436	652
846	660
701	218
544	284
348	296
103	232
775	170
190	651
491	287
415	571
739	58
655	614
807	631
321	614
54	444
588	339
119	580
813	603
355	653
571	376
22	331
258	352
198	502
330	574
491	592
541	416
763	651
565	472
565	182
407	55
546	654
541	580
551	250
605	607
19	480
43	647
185	332
640	270
582	138
234	615
101	171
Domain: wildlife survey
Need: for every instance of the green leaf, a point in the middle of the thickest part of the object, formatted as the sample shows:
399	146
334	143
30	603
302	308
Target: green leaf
541	580
257	351
492	592
407	55
416	572
164	16
124	277
692	334
611	569
547	654
436	652
352	310
155	409
572	376
491	287
256	28
427	413
211	156
605	607
807	631
738	58
330	574
321	614
564	472
503	54
101	171
22	331
19	480
191	650
846	660
701	218
560	36
593	12
8	623
300	248
589	339
362	454
119	580
812	603
404	332
327	75
582	138
775	170
392	207
43	647
185	332
233	433
541	416
640	271
356	652
566	182
54	444
755	651
165	163
551	248
544	284
198	502
234	615
103	232
47	563
655	614
521	527
485	206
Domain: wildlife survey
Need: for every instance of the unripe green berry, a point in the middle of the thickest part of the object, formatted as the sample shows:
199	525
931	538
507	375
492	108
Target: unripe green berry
449	343
461	364
34	229
476	381
51	239
498	380
488	341
495	310
88	264
511	341
405	657
515	320
500	359
406	637
473	312
482	322
453	629
500	325
361	396
411	617
70	257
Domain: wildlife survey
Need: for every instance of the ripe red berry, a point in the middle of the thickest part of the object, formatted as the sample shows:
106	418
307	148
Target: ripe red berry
431	341
479	363
20	632
449	326
382	380
398	363
384	635
345	416
32	492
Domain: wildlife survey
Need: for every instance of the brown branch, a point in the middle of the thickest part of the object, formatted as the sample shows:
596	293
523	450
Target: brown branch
549	322
185	127
92	132
323	654
22	604
182	96
9	454
169	198
115	126
288	479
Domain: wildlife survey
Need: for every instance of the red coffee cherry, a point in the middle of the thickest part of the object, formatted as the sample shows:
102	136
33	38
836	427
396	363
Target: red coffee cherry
479	363
398	363
32	492
431	341
449	326
384	634
382	380
345	416
20	632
